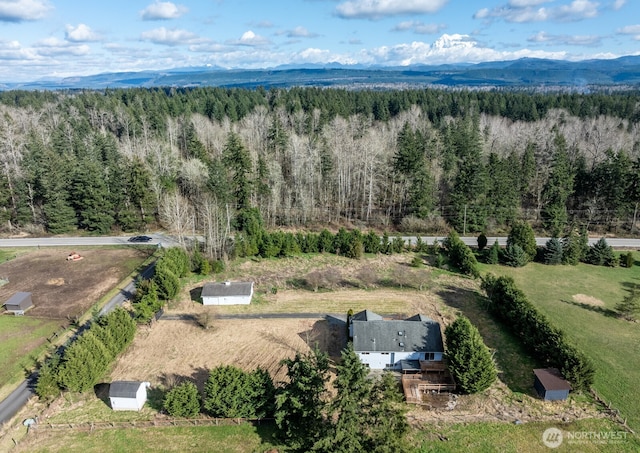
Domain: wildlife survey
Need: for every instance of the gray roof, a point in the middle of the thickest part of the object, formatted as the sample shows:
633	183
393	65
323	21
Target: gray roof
226	289
366	315
397	336
420	317
124	389
20	301
551	379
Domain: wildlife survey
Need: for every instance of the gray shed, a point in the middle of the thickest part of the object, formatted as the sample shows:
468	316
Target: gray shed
19	303
550	384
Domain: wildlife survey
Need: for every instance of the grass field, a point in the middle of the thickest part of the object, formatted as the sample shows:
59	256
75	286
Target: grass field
21	341
580	300
284	286
476	437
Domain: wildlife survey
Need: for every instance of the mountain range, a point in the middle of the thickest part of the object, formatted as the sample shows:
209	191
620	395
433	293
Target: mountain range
526	73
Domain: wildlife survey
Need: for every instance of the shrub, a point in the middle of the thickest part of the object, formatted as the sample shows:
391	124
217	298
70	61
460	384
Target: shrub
522	235
627	259
515	256
183	400
460	255
493	257
553	252
469	358
509	305
601	254
482	241
416	261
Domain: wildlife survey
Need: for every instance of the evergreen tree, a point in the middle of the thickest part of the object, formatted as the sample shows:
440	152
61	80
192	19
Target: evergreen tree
469	359
299	402
601	254
553	252
183	400
346	433
493	257
387	421
238	161
522	235
558	189
514	256
629	308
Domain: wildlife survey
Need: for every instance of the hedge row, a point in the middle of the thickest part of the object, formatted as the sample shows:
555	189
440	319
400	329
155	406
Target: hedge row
545	342
86	359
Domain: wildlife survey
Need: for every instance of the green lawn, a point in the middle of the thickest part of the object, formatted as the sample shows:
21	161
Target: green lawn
504	438
612	343
474	437
21	339
222	439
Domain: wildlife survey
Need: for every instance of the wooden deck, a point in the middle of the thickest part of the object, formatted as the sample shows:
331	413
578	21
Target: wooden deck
434	377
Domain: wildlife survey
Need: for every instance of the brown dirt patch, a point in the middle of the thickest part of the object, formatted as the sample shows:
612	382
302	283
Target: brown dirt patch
170	350
62	289
588	300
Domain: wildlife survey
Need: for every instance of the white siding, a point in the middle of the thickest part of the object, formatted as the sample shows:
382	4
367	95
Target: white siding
228	300
380	360
130	404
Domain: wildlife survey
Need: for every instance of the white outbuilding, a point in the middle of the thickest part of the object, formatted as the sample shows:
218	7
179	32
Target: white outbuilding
227	293
128	395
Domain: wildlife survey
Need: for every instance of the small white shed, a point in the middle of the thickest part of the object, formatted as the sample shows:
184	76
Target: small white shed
128	395
227	293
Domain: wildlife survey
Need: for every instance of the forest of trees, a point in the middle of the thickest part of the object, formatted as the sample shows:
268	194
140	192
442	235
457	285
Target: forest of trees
192	160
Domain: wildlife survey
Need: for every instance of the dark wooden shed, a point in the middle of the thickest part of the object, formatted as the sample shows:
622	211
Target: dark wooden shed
19	303
550	384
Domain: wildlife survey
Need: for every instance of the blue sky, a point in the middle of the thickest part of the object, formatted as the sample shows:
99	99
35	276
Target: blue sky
62	38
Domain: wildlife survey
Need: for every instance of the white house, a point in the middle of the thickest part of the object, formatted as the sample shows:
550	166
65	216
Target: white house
227	293
128	395
381	344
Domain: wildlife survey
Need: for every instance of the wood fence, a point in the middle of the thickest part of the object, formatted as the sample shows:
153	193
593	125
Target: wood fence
157	423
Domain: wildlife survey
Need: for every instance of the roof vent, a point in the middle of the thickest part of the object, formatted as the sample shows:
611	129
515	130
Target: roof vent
401	344
227	283
400	333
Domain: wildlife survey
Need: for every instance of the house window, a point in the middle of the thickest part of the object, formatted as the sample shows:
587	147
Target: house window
384	353
364	353
429	356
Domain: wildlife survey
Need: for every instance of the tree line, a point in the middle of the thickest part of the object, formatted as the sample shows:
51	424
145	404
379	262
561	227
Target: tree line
191	160
360	415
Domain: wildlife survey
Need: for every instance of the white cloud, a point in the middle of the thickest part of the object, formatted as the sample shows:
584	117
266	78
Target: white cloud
57	47
524	11
301	32
526	3
81	33
567	40
169	37
162	11
453	48
13	50
419	27
633	30
617	4
22	10
377	9
249	38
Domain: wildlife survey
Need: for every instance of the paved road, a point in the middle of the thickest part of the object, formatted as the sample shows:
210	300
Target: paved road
165	241
156	239
616	243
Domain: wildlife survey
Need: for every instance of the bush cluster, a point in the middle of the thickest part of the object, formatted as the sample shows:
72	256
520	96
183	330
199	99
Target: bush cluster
85	360
539	337
460	255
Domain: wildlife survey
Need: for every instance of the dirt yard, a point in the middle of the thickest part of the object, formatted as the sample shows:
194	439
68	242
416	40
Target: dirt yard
64	289
170	350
